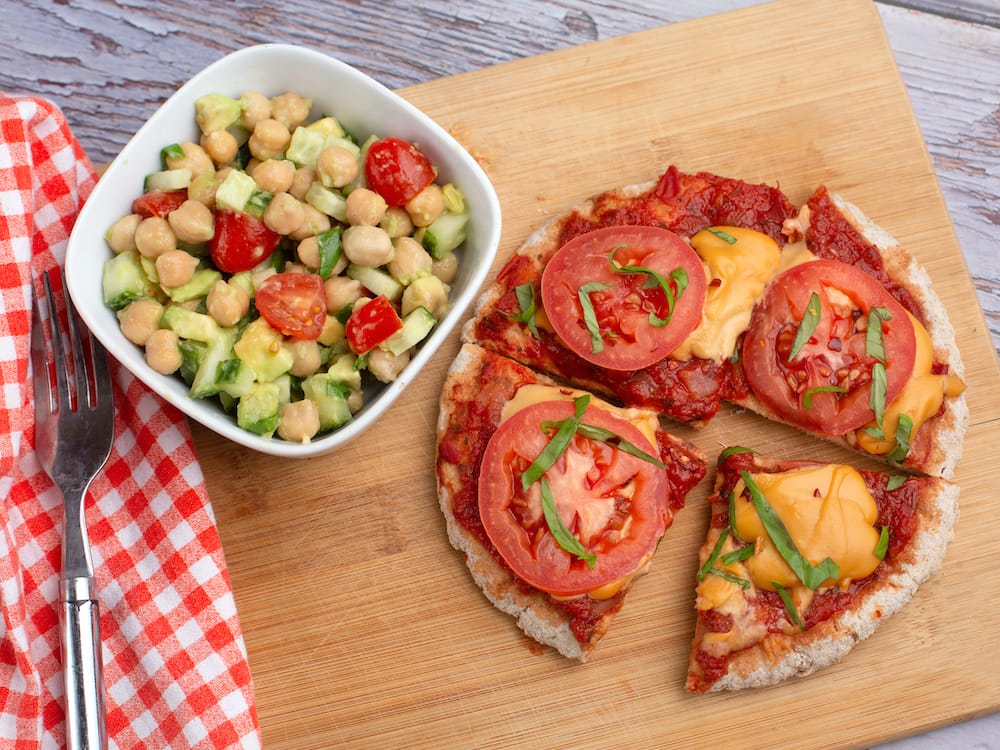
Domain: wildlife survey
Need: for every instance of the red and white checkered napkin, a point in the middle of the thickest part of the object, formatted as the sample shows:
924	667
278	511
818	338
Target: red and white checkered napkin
175	665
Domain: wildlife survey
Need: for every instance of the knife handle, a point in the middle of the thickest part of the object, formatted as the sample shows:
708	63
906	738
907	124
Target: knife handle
82	667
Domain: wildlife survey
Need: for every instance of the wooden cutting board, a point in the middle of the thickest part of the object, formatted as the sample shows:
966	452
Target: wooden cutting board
363	627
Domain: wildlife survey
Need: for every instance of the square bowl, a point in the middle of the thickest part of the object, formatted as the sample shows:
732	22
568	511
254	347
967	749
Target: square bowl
364	107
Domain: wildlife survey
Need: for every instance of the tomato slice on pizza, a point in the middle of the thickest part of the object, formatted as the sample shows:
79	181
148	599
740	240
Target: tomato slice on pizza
565	499
828	347
624	297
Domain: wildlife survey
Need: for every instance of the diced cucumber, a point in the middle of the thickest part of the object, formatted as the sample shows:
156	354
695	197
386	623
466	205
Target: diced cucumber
361	181
167	180
263	349
206	379
123	280
327	201
243	280
330	397
258	410
216	112
188	324
342	142
235	377
376	281
416	325
235	191
445	234
198	286
192	354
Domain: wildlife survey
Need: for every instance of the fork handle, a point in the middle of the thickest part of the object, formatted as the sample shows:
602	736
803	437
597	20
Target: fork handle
82	667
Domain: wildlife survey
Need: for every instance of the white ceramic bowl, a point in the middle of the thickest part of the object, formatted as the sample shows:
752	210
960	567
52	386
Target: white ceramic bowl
364	106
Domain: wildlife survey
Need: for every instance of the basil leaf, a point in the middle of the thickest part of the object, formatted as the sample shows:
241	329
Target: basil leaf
807	400
732	450
810	319
556	446
898	454
716	551
874	340
589	316
895	482
173	151
724	236
743	583
876	399
678	276
525	294
738	555
790	607
563	536
810	575
883	543
330	251
732	518
615	440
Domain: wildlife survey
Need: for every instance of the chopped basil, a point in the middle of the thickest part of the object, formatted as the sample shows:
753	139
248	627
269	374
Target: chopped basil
724	236
678	276
563	536
589	316
898	454
810	319
732	517
615	440
738	555
557	445
883	543
525	294
716	551
874	341
807	400
876	400
786	599
741	582
895	482
733	449
811	575
173	151
330	250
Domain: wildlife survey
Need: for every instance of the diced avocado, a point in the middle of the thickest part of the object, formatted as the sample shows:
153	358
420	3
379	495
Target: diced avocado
454	199
327	126
330	397
234	191
244	280
416	325
167	180
216	112
198	286
263	349
258	410
188	324
327	201
235	377
342	370
123	280
445	234
305	146
334	334
376	281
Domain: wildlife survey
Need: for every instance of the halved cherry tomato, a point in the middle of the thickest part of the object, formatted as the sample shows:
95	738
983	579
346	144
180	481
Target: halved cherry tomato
835	356
158	203
615	504
371	324
629	339
293	303
396	170
241	241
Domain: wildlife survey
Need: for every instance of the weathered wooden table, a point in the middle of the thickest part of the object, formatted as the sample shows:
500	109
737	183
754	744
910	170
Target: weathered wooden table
109	64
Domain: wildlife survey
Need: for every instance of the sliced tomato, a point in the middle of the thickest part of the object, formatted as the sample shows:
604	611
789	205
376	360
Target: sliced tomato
241	241
371	324
158	203
627	310
293	303
397	170
835	359
613	503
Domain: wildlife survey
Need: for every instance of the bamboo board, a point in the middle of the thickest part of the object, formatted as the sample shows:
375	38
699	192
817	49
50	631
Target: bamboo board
363	627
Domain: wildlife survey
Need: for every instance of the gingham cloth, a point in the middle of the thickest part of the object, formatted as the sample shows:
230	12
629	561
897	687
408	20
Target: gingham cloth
175	664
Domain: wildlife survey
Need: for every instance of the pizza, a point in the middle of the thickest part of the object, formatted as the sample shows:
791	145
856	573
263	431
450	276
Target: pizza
663	303
803	560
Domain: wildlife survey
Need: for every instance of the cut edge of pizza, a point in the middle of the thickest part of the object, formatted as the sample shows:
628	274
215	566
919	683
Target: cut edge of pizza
765	613
496	418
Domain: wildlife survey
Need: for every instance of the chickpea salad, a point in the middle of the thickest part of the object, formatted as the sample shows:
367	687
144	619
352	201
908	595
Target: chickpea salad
279	265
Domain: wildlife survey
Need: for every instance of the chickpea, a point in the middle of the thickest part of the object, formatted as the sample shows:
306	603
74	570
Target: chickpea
274	175
341	291
336	167
302	180
386	366
162	351
153	237
410	261
269	139
227	303
396	222
139	319
425	206
427	291
175	267
306	357
192	222
298	421
365	206
355	401
446	268
290	109
121	236
195	158
314	222
367	246
255	107
284	214
220	145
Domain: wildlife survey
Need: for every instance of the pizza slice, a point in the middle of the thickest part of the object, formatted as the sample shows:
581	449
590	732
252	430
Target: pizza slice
557	499
803	560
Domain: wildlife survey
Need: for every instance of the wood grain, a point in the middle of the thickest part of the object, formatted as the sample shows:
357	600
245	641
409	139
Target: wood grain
362	625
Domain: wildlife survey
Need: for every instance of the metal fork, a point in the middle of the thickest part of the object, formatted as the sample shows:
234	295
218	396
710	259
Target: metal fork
74	430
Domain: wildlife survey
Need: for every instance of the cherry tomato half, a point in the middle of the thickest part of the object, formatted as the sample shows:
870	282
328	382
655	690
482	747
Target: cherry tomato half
396	170
293	303
629	339
158	203
835	358
241	241
615	504
371	324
